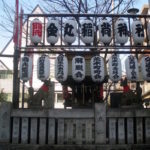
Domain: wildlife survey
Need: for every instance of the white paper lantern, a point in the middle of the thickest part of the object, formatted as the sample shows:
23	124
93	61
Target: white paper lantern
78	68
132	70
70	31
25	68
115	69
145	67
43	67
87	31
121	31
105	31
52	31
137	32
61	68
36	31
97	69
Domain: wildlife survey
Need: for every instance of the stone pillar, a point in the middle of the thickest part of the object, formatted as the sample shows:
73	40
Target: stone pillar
5	110
100	123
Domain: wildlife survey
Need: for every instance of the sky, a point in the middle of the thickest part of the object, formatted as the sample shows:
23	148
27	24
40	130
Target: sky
28	5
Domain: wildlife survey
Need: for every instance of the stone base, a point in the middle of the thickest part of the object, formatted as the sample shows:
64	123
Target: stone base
73	147
132	106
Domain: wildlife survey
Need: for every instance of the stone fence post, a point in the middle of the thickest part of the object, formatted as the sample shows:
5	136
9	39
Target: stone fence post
100	123
5	110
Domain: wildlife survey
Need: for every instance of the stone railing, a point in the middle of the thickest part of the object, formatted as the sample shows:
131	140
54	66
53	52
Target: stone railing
110	129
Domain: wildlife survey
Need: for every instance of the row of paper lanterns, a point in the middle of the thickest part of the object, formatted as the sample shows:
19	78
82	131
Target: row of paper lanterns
97	68
87	31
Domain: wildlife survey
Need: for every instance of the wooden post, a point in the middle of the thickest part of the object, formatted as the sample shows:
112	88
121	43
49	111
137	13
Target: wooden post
51	131
16	80
24	131
79	131
5	109
147	130
16	130
60	131
139	130
100	123
130	131
33	131
42	131
23	86
121	131
112	130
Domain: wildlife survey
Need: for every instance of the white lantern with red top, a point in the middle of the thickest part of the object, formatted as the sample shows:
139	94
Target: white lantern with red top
97	69
105	33
36	31
25	68
70	31
52	31
132	70
78	68
121	31
115	69
137	32
145	67
87	31
61	68
43	67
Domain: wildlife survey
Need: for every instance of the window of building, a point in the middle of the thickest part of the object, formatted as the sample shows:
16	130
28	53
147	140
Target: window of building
6	74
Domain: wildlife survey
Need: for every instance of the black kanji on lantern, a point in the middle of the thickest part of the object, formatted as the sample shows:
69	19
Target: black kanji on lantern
87	29
115	70
147	65
68	30
132	62
115	76
114	61
106	29
79	67
97	76
139	30
97	68
78	60
41	67
52	30
60	58
96	61
115	67
122	29
133	75
79	74
25	67
97	71
60	66
132	66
